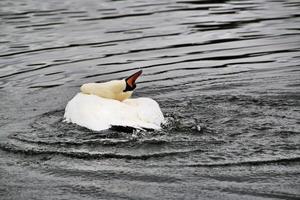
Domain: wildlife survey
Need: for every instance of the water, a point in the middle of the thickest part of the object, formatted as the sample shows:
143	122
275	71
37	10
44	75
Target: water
226	74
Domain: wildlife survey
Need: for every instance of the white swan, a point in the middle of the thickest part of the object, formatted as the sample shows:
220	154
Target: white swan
100	106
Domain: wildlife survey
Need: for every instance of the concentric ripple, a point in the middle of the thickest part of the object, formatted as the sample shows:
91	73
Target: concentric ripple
210	130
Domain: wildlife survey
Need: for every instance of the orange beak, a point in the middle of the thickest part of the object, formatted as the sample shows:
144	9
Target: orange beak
131	79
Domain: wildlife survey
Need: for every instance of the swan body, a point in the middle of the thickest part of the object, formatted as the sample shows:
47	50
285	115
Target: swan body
97	113
100	106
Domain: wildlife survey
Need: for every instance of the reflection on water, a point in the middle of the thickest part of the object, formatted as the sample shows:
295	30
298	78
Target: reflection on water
226	74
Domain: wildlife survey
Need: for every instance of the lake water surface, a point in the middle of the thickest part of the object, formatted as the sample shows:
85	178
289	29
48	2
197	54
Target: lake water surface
225	73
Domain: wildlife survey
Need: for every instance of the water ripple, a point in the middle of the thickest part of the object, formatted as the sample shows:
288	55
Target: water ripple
225	73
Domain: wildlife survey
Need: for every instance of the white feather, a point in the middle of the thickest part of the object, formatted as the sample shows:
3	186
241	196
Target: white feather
97	113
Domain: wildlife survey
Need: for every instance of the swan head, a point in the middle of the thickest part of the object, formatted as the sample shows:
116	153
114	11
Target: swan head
115	89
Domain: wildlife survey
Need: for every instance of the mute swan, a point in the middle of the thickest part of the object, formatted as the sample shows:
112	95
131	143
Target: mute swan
100	106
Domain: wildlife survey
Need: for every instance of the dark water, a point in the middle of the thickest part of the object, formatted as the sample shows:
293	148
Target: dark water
226	74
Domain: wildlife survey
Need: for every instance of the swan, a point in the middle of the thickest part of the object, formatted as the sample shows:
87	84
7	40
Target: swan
99	106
